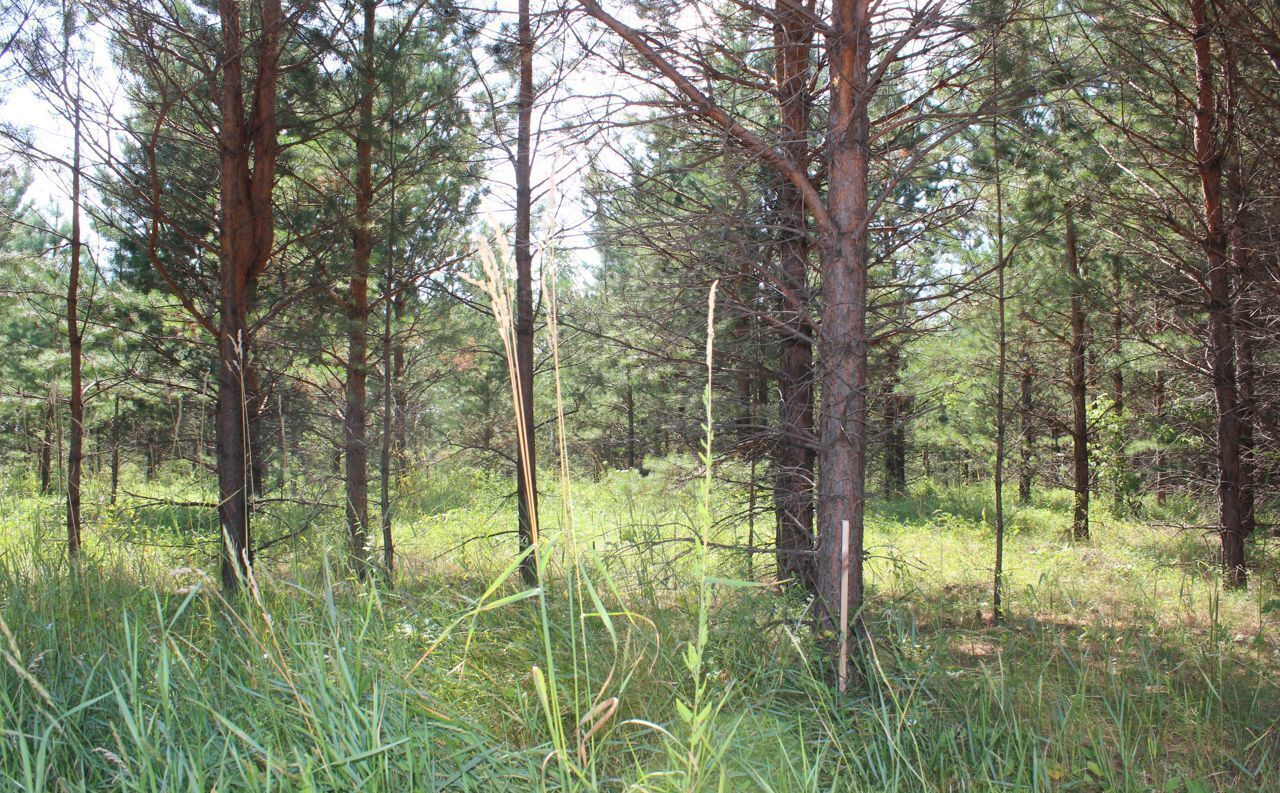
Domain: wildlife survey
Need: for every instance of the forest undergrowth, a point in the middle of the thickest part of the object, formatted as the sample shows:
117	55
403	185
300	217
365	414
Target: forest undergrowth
646	659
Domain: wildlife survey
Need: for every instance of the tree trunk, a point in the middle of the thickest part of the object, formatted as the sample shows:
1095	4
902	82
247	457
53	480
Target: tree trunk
232	432
1162	479
895	427
75	342
743	425
153	455
1242	265
1246	376
842	438
1221	325
1079	395
1026	472
282	473
1117	371
400	370
526	462
1123	492
794	460
1002	359
841	220
389	384
355	441
246	175
115	450
46	443
631	423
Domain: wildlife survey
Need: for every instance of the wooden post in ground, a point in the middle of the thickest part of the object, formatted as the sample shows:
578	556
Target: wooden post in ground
842	673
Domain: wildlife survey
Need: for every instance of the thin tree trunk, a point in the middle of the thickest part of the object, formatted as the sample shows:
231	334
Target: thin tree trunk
201	444
115	450
1162	479
282	473
997	588
153	455
400	394
1121	461
355	422
1027	425
255	407
46	444
57	430
1242	261
631	422
1242	264
388	387
1079	386
388	548
75	341
741	334
177	429
526	462
895	433
1117	342
794	473
1246	376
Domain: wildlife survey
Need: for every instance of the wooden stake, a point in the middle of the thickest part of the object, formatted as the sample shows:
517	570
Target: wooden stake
842	673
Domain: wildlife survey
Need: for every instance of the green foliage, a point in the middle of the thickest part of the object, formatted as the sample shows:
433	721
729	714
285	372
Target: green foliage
1119	670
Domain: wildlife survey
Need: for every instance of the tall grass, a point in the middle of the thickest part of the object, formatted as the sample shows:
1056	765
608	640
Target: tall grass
136	675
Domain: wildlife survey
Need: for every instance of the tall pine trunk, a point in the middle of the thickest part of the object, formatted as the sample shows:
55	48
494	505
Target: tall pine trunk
232	433
1079	386
355	421
1026	423
526	461
1002	359
1123	493
1242	265
1221	324
389	385
75	341
795	457
246	175
842	435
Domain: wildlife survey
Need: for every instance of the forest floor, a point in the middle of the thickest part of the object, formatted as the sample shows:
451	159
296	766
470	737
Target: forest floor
1121	664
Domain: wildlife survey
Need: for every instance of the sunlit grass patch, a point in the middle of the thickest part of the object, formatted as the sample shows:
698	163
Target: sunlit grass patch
1119	666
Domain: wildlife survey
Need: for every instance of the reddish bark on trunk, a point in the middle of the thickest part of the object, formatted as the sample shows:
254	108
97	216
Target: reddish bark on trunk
1221	325
246	176
842	434
794	461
